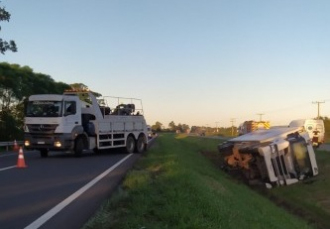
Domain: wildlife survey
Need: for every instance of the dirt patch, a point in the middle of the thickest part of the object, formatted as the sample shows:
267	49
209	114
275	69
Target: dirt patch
218	161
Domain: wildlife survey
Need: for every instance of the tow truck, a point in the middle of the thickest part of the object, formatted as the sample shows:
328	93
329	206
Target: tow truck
77	121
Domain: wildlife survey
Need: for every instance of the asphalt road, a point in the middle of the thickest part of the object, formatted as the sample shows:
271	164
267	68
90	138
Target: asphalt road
60	191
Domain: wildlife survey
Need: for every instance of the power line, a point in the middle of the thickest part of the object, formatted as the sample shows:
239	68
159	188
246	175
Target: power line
318	108
260	117
232	120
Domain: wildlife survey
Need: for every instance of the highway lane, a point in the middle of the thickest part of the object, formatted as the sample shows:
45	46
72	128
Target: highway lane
37	196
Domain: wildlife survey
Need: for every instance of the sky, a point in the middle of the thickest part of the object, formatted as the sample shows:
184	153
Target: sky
201	63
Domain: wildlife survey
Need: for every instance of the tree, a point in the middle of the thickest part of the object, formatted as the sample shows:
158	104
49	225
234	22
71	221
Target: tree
182	128
83	87
4	45
79	86
185	128
172	126
157	126
16	85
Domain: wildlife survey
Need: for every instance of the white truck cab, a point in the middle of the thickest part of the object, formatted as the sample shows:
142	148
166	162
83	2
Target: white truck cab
75	121
314	128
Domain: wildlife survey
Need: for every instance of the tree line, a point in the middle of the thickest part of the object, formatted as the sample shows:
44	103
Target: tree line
219	131
199	130
17	83
181	128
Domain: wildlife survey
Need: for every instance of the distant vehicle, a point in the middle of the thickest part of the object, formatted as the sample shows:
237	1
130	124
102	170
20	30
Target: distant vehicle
249	126
315	129
277	156
77	121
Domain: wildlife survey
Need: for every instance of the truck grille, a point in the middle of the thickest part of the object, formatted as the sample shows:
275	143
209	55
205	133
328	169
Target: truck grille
42	128
279	166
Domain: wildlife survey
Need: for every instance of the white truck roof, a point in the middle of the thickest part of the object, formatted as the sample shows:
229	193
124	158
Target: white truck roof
266	135
44	97
303	122
298	122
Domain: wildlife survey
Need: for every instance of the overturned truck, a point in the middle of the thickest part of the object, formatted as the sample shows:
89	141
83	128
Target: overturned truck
278	156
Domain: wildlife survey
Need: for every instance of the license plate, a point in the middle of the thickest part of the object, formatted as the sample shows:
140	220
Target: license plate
41	143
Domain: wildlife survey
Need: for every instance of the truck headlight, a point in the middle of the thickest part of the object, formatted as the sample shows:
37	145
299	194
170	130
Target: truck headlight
27	143
57	144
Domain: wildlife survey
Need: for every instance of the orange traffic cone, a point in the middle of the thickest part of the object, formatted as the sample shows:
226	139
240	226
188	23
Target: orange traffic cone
21	161
15	145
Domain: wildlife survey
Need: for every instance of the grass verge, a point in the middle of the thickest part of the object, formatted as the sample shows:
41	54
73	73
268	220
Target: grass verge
175	186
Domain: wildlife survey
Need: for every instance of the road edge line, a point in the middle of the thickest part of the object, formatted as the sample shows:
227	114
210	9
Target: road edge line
6	168
48	215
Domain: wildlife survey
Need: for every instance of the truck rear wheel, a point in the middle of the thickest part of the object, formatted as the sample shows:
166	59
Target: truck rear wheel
140	146
78	147
130	144
44	152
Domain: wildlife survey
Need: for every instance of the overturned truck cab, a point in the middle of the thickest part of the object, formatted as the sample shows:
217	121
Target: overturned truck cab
279	156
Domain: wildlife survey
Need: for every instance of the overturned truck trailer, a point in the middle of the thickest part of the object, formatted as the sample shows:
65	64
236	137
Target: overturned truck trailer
279	156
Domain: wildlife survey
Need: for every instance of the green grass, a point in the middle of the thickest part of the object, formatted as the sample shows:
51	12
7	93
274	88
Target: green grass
175	186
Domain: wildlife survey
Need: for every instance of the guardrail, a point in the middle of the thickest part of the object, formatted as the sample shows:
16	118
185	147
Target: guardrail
10	144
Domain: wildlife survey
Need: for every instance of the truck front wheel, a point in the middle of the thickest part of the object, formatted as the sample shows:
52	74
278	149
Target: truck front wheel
78	147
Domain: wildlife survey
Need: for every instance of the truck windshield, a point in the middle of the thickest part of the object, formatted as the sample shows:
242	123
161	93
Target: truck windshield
44	109
303	163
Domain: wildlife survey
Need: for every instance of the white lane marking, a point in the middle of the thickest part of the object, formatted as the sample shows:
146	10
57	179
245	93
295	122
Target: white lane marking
45	217
5	168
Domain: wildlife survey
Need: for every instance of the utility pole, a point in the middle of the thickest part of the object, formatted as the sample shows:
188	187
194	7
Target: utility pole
260	116
318	108
232	126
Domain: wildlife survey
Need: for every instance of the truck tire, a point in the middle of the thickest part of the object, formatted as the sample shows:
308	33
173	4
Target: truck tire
78	147
44	152
130	144
140	146
96	150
